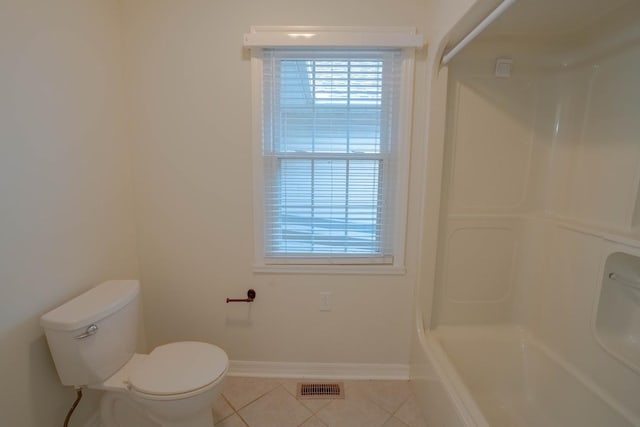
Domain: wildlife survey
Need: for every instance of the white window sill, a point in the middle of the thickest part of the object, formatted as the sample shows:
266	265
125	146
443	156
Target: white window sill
372	270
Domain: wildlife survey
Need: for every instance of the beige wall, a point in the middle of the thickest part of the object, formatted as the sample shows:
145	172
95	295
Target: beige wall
190	80
66	217
65	186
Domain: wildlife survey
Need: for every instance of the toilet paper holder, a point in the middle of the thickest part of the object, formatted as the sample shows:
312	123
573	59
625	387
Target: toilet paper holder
251	295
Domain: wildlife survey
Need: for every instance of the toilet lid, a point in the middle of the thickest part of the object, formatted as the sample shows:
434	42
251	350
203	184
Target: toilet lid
179	368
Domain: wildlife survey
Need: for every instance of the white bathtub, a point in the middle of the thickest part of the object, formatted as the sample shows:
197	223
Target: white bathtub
500	376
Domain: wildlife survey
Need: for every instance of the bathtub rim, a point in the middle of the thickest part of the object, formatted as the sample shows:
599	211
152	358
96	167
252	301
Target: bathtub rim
459	392
463	402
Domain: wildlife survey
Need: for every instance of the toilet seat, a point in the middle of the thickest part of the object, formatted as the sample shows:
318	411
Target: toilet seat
178	370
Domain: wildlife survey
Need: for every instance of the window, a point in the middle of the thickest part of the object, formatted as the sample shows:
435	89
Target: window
331	159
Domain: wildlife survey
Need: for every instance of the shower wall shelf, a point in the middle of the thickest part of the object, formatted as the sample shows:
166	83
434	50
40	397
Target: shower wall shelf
617	321
635	284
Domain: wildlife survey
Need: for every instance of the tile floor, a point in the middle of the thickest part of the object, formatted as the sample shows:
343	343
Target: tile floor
268	402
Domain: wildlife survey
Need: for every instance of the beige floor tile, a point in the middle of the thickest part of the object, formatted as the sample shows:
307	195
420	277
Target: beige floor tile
275	409
313	422
394	422
221	409
409	413
389	395
315	405
290	385
232	421
241	391
272	403
354	411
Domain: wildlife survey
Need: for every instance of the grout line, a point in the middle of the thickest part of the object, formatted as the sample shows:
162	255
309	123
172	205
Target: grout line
317	419
392	413
242	419
316	411
233	411
254	400
285	389
306	419
257	398
400	421
402	404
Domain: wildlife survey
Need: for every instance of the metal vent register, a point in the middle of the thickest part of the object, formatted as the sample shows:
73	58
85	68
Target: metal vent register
320	391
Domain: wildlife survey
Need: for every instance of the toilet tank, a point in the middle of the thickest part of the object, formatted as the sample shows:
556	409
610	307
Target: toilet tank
94	334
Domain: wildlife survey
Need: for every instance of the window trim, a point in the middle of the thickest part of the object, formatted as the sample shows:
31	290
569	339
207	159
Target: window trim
326	36
329	37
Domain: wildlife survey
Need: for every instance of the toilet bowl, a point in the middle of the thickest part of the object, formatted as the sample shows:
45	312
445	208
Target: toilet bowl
92	340
173	386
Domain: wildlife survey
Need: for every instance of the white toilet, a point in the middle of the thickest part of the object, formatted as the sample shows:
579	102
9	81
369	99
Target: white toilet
93	339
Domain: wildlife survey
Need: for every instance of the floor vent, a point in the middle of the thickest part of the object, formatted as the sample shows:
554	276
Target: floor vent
320	391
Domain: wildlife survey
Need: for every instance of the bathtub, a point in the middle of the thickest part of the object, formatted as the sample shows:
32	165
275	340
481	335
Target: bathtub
500	376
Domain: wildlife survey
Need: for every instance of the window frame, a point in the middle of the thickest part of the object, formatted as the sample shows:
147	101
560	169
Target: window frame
403	39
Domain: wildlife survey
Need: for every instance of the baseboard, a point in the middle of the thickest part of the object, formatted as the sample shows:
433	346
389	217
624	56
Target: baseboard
346	371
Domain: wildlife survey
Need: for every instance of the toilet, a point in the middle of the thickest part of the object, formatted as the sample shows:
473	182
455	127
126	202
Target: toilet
93	338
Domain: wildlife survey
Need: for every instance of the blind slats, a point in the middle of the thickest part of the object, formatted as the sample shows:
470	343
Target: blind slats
329	118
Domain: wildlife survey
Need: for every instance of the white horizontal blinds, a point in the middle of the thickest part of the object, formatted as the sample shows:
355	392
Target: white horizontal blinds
328	147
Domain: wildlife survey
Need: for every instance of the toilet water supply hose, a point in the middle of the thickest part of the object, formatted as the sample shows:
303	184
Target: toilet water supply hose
73	407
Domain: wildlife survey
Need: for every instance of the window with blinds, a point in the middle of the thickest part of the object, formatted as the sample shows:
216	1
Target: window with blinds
330	142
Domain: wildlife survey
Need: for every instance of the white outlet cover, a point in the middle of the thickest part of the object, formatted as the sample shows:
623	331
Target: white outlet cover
325	301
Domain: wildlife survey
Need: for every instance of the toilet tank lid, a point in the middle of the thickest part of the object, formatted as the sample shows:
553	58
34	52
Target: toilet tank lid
93	305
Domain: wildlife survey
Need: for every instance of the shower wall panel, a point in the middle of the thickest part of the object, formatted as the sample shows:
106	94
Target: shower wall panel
488	163
596	154
541	185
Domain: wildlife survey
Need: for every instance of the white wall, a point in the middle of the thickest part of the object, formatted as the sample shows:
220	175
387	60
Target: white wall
190	80
66	218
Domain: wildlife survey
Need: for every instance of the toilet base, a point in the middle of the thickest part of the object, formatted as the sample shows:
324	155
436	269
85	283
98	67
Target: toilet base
117	410
120	410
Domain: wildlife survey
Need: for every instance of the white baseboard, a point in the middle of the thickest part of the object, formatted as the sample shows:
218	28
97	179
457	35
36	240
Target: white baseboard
345	371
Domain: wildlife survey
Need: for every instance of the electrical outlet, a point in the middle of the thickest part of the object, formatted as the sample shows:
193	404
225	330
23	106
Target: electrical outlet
325	301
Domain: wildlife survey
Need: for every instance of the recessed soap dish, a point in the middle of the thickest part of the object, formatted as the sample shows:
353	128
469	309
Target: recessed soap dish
631	283
617	322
